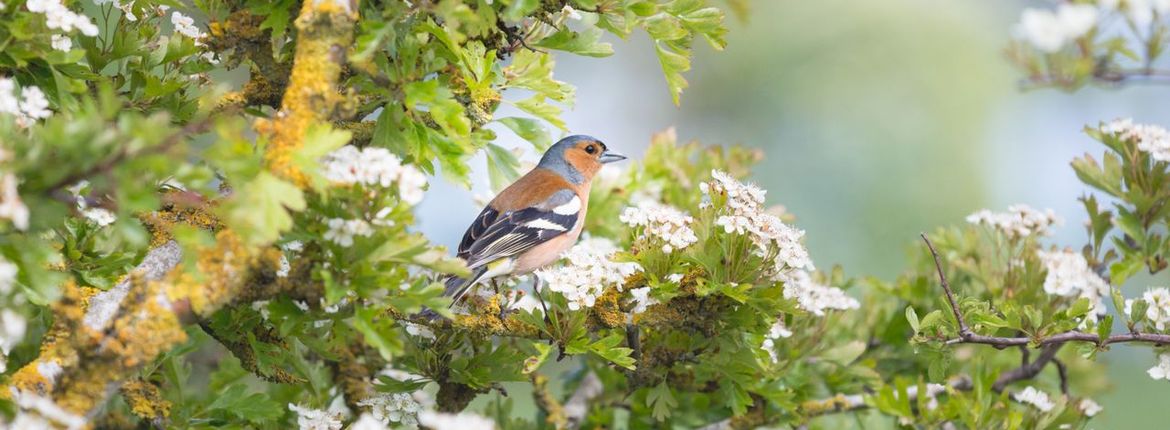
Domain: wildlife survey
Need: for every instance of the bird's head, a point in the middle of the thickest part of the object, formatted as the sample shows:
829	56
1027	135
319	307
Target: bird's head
578	157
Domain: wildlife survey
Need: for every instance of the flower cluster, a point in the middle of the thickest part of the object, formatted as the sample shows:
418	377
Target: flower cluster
12	208
1019	221
776	332
1162	369
1089	407
374	167
315	419
642	299
1069	275
29	106
12	329
185	25
1034	397
342	231
589	272
389	408
1158	311
62	42
745	214
814	297
59	17
661	222
1150	138
1049	30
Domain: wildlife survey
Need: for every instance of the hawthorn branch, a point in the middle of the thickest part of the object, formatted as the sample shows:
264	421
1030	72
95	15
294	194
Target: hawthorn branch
966	335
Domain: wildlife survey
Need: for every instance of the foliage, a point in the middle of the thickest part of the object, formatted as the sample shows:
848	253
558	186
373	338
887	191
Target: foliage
242	253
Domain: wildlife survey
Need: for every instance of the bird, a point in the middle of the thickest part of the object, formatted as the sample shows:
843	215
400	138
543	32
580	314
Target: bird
531	222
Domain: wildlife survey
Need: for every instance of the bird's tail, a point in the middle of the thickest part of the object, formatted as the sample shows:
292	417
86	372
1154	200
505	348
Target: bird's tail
457	288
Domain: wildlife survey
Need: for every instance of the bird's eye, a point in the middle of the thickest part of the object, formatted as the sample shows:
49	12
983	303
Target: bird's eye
591	149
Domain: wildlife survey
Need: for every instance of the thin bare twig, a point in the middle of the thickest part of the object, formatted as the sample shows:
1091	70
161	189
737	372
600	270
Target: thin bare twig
964	330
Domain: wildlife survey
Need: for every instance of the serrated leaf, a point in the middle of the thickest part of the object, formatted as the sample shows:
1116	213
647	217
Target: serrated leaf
536	106
502	165
259	209
674	64
320	139
661	400
530	130
586	42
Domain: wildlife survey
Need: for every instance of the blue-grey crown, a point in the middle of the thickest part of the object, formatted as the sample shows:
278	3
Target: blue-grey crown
554	158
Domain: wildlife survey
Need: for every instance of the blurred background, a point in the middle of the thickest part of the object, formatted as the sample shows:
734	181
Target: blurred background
879	120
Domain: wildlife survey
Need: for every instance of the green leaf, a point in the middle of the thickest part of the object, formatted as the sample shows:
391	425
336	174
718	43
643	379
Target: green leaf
254	407
520	9
530	130
387	384
502	165
536	106
844	354
661	400
320	139
534	71
912	318
534	362
258	211
674	64
586	42
608	349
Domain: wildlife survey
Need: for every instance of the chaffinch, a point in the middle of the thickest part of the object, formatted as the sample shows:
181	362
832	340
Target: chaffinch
531	222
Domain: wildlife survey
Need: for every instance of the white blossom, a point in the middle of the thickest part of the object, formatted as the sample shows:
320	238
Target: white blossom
99	216
419	331
62	42
744	213
342	231
12	329
776	332
814	297
463	421
367	422
185	25
588	272
398	408
661	222
33	103
674	278
1069	275
11	207
1049	30
410	185
29	105
1158	309
1089	407
1034	397
315	419
570	13
375	167
1152	139
642	299
8	272
1162	370
59	17
1018	222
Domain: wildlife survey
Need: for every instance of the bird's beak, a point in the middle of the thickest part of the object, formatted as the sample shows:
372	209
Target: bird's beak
610	156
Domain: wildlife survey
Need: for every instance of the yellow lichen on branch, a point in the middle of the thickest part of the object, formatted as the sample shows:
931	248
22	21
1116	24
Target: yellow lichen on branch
145	400
324	33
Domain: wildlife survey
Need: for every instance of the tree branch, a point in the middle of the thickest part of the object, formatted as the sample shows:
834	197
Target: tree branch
966	335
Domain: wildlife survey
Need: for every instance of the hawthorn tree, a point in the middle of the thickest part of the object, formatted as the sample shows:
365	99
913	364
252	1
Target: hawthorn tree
207	222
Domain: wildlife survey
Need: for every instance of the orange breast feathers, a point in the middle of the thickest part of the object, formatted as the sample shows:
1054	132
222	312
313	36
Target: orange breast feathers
532	189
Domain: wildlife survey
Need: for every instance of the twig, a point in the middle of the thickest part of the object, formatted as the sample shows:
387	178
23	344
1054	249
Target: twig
964	330
1029	370
966	335
1063	372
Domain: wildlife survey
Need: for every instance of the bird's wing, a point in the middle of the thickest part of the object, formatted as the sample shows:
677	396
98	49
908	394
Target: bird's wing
514	232
485	219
